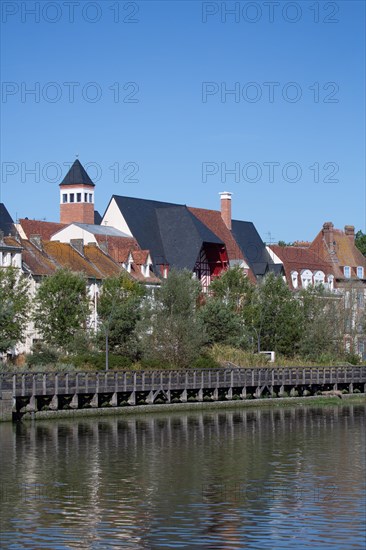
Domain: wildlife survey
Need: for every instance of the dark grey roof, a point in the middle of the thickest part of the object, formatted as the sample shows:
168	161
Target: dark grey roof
101	229
77	175
171	233
6	222
182	235
253	248
97	218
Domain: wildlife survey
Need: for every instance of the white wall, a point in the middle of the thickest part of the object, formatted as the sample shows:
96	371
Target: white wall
73	232
113	217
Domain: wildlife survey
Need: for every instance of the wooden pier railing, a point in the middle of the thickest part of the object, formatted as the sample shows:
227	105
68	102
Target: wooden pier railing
32	392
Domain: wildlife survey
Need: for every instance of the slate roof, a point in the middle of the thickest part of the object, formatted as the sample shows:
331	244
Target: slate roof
77	175
254	249
6	221
44	229
101	229
97	218
171	232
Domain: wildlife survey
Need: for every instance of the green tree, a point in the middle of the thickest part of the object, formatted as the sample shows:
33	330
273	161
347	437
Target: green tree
171	331
61	308
233	288
322	322
119	311
14	307
360	242
222	324
273	317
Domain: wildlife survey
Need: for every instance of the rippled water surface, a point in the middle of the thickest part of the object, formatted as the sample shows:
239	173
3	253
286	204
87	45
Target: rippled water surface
254	479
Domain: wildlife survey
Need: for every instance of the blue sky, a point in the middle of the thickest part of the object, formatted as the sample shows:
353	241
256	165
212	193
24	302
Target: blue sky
141	92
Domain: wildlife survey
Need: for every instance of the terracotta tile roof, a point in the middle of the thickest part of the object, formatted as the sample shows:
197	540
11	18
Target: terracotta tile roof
11	241
37	227
66	256
136	274
295	258
140	257
36	261
346	252
117	247
303	244
213	220
103	263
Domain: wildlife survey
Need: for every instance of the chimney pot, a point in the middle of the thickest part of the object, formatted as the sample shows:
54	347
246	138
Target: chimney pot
350	231
226	208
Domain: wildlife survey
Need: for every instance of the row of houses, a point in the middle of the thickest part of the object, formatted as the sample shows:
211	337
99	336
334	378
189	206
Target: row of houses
148	238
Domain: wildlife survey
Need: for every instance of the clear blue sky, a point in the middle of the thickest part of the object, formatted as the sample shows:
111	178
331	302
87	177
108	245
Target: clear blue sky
176	124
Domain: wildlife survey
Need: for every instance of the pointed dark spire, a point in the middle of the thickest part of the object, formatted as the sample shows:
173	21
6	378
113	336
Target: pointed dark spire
77	175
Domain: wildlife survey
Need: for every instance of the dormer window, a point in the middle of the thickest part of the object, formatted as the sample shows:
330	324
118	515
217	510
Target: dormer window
347	271
331	282
319	278
360	272
294	279
306	278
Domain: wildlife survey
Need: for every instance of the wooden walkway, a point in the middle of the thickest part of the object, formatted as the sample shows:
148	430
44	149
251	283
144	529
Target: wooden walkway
22	393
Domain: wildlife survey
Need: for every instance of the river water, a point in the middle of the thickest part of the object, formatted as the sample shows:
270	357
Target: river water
267	478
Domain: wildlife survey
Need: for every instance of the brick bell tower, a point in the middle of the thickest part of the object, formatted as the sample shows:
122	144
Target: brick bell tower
77	196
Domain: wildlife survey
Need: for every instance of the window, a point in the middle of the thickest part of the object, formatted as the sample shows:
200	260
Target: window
294	279
78	197
90	197
319	278
331	282
72	197
347	271
306	278
360	299
64	197
360	272
85	197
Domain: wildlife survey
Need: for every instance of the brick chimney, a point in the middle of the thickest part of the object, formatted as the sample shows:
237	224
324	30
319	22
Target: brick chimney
226	208
77	196
350	231
328	234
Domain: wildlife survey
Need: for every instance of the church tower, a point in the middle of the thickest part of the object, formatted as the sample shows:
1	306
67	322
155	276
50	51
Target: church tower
77	196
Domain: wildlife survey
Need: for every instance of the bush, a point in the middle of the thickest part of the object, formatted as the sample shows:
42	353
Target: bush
96	361
352	358
42	355
154	364
205	361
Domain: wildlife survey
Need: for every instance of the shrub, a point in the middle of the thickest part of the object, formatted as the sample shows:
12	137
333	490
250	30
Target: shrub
352	358
96	361
42	355
205	361
154	364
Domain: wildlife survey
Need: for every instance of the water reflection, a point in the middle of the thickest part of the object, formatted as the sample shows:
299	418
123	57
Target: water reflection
275	478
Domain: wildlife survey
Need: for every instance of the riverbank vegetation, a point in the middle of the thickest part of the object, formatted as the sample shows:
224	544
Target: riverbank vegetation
177	326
